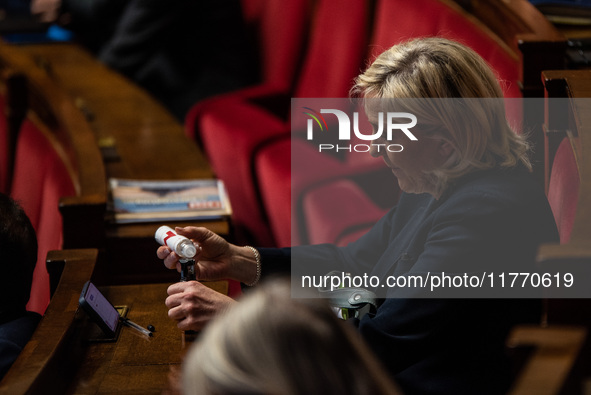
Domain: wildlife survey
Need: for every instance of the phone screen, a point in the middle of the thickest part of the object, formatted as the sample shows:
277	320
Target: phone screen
95	299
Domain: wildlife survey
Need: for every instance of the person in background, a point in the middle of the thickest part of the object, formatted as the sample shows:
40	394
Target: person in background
13	8
180	51
18	257
470	203
270	343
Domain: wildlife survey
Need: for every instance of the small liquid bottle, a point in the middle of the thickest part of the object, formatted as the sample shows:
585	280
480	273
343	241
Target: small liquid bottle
183	247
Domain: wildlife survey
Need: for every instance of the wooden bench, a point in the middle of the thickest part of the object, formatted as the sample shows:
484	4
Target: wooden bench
513	36
62	357
125	132
55	169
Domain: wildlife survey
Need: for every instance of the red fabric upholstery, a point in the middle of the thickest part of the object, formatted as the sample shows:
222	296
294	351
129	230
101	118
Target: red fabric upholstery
337	48
279	29
29	171
40	179
563	189
231	142
449	21
395	22
328	70
398	21
341	213
291	169
275	187
333	59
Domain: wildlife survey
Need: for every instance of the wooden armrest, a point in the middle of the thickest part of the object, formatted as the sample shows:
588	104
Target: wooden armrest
45	361
556	348
551	253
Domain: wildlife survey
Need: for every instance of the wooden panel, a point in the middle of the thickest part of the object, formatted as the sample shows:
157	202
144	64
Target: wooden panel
556	350
577	85
50	107
51	345
54	107
541	47
561	360
522	26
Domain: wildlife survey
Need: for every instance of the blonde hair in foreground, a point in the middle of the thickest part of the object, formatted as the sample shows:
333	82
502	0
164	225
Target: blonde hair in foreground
438	68
269	343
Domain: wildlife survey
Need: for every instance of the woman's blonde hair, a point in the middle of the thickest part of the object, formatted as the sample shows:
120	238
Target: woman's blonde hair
470	114
270	343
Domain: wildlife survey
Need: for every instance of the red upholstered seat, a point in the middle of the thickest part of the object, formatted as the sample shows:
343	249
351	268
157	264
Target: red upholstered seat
41	177
427	18
278	30
563	189
391	26
342	212
327	71
290	169
260	170
229	127
446	19
231	160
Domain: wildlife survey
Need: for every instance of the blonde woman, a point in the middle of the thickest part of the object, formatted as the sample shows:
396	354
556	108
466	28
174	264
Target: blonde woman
469	204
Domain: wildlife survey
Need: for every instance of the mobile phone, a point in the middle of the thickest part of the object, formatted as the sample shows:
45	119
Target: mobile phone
99	309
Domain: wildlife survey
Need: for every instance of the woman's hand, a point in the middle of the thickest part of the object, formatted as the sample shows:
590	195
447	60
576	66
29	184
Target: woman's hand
213	254
216	259
193	304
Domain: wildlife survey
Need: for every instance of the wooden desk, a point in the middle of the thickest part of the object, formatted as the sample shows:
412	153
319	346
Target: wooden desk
138	138
143	140
59	358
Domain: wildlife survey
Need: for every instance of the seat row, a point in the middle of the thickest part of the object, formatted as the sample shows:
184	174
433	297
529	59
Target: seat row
256	146
51	164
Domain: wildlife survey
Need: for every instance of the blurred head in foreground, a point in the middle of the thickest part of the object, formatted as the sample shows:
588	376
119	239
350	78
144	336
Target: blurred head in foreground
270	343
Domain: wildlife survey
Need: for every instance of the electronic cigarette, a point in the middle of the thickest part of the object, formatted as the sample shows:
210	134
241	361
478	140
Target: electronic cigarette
187	269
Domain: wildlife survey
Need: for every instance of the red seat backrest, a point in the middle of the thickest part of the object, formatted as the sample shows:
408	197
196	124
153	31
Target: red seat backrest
563	189
398	21
338	43
41	178
279	30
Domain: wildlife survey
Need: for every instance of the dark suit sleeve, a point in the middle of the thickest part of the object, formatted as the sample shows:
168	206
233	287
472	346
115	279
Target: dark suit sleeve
275	261
359	256
14	335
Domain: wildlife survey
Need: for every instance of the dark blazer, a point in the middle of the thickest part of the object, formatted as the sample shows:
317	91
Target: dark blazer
488	220
14	335
180	51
